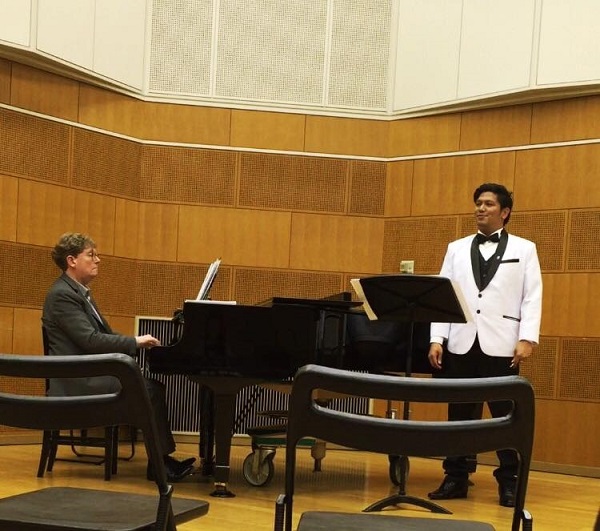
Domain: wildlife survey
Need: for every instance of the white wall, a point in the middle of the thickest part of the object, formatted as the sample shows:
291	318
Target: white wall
375	57
15	21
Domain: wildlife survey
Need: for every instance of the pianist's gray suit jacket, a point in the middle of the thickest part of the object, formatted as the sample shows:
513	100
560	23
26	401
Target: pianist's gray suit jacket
72	328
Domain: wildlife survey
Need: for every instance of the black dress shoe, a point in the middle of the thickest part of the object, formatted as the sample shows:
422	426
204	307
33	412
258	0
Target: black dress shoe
176	470
179	464
449	489
506	493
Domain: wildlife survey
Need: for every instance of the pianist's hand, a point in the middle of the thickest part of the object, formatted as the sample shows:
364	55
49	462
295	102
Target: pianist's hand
146	341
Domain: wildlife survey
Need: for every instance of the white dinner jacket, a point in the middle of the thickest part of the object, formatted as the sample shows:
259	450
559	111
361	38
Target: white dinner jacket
504	311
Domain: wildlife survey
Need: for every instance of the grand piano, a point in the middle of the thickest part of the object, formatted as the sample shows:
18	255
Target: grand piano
227	347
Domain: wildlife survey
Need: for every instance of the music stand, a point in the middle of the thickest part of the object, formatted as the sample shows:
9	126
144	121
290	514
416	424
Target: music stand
410	298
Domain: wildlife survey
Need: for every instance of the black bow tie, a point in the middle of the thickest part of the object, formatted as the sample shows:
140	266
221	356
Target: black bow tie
482	238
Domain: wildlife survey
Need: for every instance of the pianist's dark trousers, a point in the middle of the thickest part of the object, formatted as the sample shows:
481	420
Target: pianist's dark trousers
158	398
476	364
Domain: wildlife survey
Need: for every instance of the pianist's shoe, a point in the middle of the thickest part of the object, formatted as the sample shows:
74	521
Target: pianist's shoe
176	470
449	489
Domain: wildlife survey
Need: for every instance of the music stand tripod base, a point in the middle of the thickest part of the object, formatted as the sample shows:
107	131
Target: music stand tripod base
410	298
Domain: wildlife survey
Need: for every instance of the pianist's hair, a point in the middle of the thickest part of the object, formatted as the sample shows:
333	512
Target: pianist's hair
70	244
505	198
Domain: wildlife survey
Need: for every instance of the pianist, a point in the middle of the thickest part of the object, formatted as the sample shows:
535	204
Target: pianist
73	325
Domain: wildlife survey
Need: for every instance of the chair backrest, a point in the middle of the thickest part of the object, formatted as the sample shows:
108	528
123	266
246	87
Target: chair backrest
130	405
307	418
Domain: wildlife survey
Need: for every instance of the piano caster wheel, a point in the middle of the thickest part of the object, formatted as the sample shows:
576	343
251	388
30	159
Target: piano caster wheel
396	468
258	468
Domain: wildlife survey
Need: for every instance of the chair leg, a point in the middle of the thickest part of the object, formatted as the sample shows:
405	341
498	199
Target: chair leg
45	453
53	449
115	448
109	435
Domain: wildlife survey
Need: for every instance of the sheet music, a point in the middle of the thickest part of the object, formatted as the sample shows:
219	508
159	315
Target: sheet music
208	280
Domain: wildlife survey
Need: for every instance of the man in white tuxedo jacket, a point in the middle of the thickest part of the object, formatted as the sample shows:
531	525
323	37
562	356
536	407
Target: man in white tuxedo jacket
500	278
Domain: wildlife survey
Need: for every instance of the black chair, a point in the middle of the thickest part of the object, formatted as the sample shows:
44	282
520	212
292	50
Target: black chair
409	437
89	509
78	439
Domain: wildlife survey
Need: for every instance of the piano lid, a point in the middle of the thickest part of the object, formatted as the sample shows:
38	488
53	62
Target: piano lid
338	305
236	340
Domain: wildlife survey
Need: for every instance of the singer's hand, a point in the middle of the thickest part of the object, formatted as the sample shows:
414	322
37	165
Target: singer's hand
436	351
522	350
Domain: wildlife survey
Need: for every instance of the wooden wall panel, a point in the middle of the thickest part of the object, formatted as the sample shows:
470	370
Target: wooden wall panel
368	188
8	208
44	92
566	119
346	136
161	288
548	230
445	185
109	110
186	175
583	252
239	237
121	324
106	164
252	286
153	121
26	273
336	243
558	178
292	182
579	369
541	369
571	306
27	338
423	240
146	231
6	329
5	77
398	188
567	432
488	128
431	134
268	130
33	147
46	211
183	123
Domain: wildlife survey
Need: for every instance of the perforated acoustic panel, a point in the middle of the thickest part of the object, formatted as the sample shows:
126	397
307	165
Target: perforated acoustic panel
252	286
33	147
546	229
132	287
26	273
367	191
541	369
579	369
423	240
180	47
106	164
359	53
584	249
182	175
271	50
292	183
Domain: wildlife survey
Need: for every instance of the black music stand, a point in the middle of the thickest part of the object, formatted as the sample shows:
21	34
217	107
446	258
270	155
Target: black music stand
410	298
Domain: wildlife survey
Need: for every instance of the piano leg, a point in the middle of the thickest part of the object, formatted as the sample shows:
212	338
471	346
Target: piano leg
207	431
224	420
